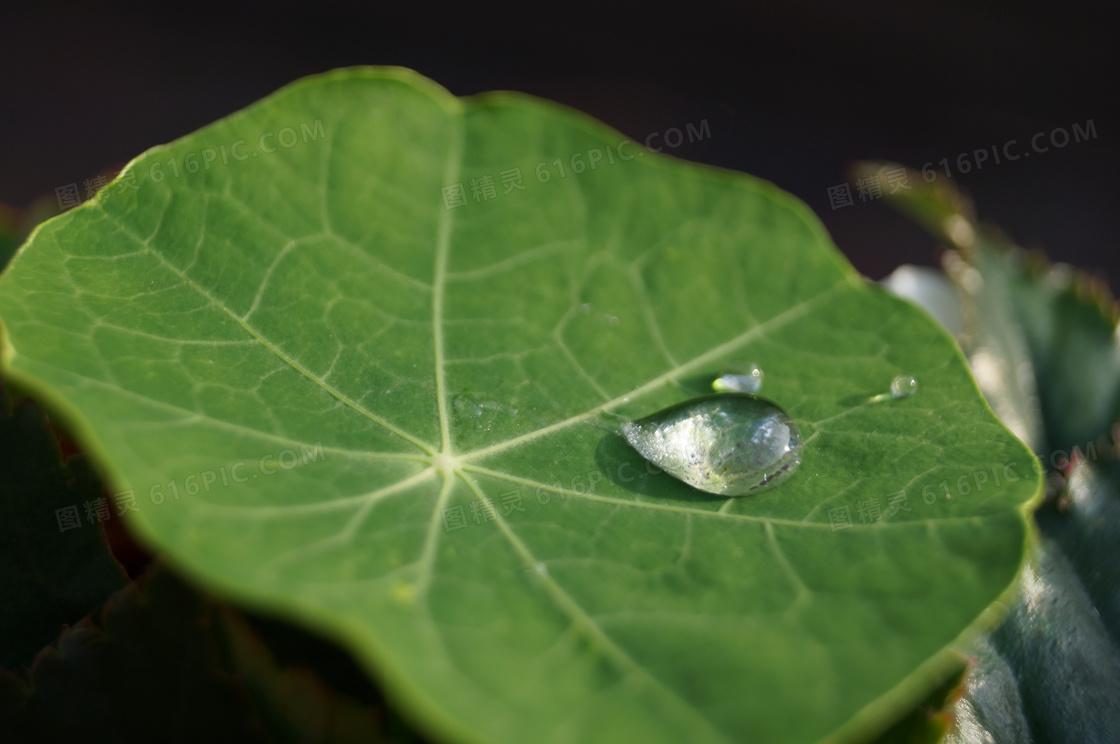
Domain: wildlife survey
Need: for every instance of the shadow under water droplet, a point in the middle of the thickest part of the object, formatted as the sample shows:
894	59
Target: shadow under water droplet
853	401
698	384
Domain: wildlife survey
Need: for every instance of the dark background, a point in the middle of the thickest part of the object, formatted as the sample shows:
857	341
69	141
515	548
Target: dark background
791	94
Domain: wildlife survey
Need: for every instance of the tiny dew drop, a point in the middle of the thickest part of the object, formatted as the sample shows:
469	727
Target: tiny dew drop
903	386
740	377
731	444
482	412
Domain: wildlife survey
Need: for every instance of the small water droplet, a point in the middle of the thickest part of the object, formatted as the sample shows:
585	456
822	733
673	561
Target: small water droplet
484	411
585	307
612	320
465	405
739	377
903	386
731	444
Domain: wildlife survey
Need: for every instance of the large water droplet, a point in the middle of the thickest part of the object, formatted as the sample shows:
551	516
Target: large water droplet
732	444
739	377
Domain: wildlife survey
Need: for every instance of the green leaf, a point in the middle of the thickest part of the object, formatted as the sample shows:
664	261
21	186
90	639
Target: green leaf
318	368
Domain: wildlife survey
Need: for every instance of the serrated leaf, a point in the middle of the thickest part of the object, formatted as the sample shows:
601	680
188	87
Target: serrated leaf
142	668
54	564
159	662
1087	528
1051	672
294	701
991	710
999	353
993	336
1065	662
1043	340
1075	352
394	417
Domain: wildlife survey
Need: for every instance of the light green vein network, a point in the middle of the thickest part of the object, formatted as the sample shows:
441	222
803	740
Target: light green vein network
351	362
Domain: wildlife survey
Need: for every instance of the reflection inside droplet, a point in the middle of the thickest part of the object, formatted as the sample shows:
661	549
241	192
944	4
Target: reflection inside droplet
731	444
739	377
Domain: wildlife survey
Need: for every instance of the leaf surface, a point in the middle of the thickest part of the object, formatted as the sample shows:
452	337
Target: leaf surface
340	396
